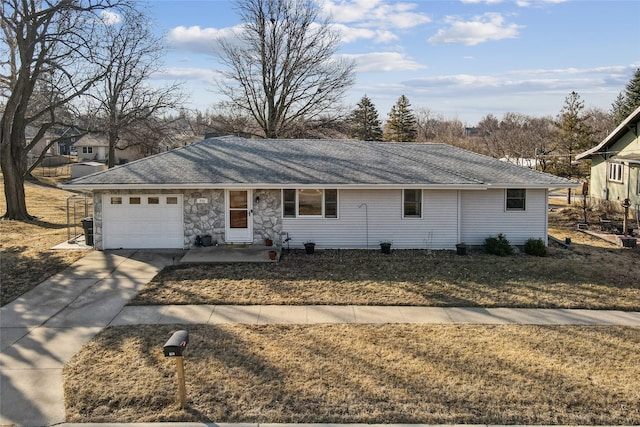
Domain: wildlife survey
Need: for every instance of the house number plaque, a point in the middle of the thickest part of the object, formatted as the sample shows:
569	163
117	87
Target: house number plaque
202	200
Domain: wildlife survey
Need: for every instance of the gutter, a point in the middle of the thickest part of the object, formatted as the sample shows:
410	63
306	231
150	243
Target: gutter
210	186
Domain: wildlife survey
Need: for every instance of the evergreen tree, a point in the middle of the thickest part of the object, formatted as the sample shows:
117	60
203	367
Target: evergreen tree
364	122
628	100
574	134
401	125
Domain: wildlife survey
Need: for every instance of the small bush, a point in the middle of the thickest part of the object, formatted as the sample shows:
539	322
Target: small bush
535	247
497	245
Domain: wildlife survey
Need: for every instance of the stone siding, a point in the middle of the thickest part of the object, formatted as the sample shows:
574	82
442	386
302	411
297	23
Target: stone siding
203	218
267	216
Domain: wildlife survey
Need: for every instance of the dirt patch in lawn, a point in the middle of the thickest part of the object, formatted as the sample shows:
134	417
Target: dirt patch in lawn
598	276
25	247
432	374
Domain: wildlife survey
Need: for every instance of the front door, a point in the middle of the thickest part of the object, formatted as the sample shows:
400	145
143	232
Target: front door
238	228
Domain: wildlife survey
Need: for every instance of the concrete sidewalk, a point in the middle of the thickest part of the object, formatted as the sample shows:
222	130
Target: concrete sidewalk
45	327
312	314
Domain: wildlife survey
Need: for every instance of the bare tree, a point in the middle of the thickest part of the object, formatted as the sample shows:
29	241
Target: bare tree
283	67
48	45
124	99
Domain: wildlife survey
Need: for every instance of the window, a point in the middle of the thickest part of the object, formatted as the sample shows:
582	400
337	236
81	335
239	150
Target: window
516	198
331	203
412	204
153	200
172	200
116	200
134	200
289	203
310	203
87	150
614	172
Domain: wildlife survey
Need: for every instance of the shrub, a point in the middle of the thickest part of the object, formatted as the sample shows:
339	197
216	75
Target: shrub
497	245
535	247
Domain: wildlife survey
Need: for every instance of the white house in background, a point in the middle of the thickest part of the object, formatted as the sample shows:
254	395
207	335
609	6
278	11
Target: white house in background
336	193
92	147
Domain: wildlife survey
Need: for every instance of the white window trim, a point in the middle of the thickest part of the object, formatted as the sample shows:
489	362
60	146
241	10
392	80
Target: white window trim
409	218
615	172
297	205
506	198
638	182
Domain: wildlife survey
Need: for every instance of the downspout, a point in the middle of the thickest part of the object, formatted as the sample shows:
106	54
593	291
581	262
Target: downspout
459	218
366	220
546	217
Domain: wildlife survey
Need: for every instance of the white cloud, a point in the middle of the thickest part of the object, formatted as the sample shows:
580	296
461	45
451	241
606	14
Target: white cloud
201	40
384	61
177	73
375	13
488	27
482	1
519	82
110	18
351	34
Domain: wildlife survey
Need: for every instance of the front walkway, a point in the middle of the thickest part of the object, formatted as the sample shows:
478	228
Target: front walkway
230	253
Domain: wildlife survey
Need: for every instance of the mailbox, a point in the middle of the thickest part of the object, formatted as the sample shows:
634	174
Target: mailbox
176	344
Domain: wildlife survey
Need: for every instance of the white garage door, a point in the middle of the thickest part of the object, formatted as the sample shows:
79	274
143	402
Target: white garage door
142	221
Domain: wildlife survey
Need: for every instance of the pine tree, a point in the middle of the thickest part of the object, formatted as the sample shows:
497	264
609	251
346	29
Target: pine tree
364	121
628	100
574	133
401	125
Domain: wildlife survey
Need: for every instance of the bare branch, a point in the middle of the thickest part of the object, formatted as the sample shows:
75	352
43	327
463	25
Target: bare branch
283	67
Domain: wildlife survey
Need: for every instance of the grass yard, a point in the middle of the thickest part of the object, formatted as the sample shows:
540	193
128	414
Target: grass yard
25	247
433	374
592	274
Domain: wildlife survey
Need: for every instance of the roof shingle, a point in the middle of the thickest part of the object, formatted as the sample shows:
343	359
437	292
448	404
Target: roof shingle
233	161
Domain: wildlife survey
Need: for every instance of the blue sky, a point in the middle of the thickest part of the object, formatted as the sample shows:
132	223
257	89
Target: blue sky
458	59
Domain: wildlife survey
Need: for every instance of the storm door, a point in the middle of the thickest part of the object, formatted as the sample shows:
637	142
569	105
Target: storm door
238	216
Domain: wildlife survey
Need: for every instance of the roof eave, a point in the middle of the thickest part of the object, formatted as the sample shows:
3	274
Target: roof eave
269	186
622	129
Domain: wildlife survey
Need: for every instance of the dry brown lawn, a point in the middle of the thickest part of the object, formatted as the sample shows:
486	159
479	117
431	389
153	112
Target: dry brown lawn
394	373
25	247
432	374
590	274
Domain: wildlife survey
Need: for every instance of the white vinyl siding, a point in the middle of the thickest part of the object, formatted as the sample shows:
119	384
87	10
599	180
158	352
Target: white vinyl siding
483	215
437	229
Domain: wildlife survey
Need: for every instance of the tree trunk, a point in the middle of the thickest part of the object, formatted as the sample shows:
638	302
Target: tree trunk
111	155
13	169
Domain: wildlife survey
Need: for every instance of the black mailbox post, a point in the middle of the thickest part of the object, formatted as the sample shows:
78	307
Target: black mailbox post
174	348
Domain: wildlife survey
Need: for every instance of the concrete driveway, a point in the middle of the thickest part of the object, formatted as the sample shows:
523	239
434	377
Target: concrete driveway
44	328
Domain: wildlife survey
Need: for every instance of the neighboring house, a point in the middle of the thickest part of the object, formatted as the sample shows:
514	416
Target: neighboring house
65	137
92	147
42	144
336	193
127	153
615	165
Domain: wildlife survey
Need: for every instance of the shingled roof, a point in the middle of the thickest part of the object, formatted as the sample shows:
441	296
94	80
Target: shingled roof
235	162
